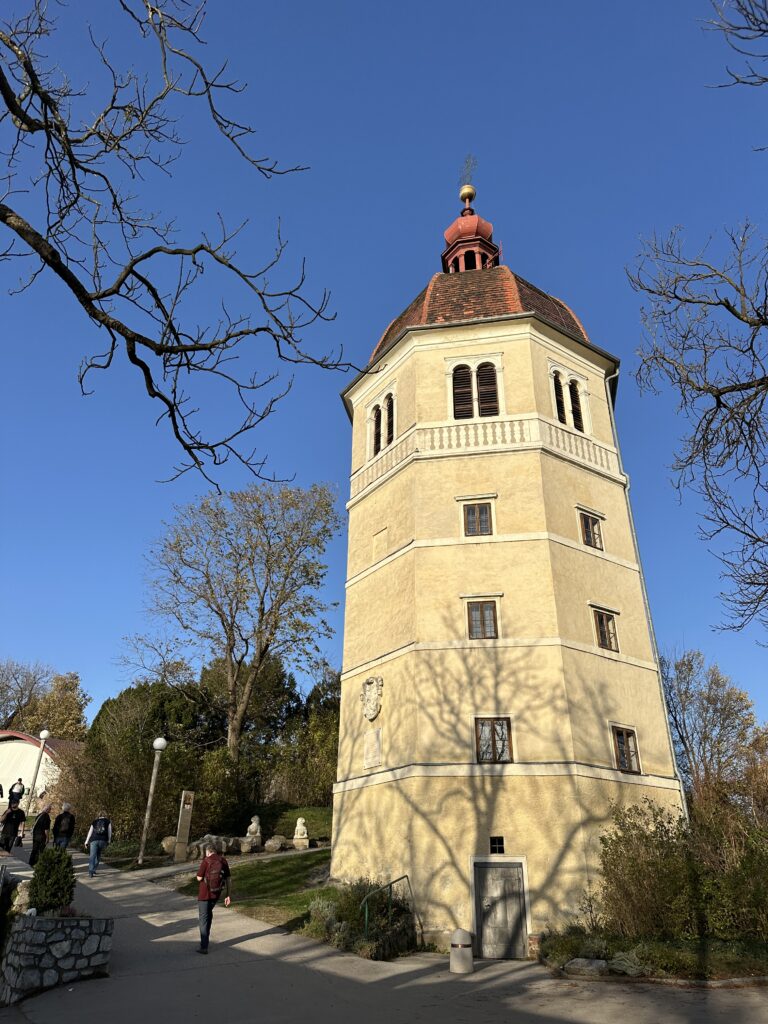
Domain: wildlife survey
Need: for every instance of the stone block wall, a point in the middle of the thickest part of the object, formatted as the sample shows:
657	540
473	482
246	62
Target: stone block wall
41	952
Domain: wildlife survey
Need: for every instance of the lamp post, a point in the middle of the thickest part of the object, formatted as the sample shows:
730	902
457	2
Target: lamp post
44	734
159	746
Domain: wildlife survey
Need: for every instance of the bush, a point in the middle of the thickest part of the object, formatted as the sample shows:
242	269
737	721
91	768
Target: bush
53	881
339	921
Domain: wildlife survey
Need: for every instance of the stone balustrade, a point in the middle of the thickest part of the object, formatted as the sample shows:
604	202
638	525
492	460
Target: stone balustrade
496	434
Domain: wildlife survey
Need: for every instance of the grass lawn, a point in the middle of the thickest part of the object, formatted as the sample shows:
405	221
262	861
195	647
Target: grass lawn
280	819
277	891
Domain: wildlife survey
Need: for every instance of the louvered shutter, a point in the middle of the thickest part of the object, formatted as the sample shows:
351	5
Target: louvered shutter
487	394
377	430
462	393
578	419
389	404
559	398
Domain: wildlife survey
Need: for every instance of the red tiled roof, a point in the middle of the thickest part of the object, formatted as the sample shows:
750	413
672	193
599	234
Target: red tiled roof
476	294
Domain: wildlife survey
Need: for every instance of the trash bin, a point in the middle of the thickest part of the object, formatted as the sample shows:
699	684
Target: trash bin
461	953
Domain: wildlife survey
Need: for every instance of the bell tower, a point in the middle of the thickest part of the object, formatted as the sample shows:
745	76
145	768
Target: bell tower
500	685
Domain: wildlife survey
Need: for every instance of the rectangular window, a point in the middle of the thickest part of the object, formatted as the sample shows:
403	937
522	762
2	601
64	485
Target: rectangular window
591	530
477	520
625	748
492	740
482	620
605	627
497	844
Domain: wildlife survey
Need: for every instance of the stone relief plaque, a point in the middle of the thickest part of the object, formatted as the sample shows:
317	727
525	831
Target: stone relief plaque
372	749
370	695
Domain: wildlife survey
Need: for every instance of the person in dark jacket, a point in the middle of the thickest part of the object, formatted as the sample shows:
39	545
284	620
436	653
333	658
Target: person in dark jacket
213	876
11	826
98	838
40	833
17	791
64	827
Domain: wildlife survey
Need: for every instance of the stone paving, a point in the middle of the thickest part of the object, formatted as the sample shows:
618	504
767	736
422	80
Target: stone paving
257	972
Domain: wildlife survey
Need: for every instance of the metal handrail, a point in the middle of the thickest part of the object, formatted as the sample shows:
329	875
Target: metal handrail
381	888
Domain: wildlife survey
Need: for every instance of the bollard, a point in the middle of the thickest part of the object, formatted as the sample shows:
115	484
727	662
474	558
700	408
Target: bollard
461	961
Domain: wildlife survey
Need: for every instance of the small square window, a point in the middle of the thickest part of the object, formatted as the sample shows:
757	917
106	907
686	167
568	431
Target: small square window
497	844
605	627
492	740
625	749
477	520
591	531
483	624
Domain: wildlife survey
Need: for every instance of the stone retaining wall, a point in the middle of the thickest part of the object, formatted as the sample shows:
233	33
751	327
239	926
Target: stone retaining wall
41	952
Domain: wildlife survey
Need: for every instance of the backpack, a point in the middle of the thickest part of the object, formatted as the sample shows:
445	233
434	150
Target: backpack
101	829
216	876
65	824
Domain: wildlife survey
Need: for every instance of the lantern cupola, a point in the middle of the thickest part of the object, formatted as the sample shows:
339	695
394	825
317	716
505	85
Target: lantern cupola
469	240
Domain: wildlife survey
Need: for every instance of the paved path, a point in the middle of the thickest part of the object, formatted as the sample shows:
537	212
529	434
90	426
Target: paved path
255	972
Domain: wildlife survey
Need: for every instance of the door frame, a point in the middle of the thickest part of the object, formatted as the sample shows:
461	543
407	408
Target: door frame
498	859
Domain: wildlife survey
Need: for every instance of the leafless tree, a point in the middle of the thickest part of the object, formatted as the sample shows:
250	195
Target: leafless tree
21	686
238	577
706	323
70	206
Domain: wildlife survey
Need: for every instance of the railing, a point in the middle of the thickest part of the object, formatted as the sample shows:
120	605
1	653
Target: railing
381	888
491	434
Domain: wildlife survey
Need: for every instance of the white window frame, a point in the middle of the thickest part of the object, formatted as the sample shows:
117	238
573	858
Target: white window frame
473	362
466	599
630	728
586	510
477	499
512	736
595	607
566	376
370	405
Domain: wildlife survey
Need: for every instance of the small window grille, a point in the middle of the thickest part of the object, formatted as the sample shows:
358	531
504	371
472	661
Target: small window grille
462	393
625	748
482	620
389	405
559	398
492	740
591	531
605	626
477	520
497	844
377	430
487	392
578	419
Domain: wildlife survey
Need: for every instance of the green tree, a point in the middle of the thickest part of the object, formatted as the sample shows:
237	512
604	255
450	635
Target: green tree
240	574
60	708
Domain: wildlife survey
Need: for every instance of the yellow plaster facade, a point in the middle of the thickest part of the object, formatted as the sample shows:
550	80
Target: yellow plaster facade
412	796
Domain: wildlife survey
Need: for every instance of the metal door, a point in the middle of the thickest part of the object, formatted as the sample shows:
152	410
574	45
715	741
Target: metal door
500	912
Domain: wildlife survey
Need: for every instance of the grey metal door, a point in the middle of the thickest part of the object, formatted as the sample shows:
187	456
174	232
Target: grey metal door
500	912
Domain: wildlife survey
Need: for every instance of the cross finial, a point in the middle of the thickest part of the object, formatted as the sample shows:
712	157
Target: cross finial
468	170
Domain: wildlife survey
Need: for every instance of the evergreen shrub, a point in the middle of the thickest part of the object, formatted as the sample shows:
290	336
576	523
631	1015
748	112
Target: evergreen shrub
53	881
339	921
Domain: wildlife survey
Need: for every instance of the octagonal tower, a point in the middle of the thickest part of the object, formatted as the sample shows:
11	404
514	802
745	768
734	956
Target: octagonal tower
500	686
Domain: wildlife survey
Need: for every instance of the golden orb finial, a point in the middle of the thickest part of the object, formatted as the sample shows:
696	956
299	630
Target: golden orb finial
467	193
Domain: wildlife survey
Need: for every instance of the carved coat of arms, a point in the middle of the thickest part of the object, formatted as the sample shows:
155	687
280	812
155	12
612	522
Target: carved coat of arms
370	695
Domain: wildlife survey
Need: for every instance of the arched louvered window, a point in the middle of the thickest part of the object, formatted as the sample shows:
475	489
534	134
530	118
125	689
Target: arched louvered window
559	398
487	393
578	419
462	393
389	405
377	430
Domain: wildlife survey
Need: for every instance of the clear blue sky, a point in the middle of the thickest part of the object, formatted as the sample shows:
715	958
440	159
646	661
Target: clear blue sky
593	125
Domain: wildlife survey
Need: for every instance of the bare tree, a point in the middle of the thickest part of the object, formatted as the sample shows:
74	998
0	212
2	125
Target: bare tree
720	747
238	576
21	687
706	323
71	210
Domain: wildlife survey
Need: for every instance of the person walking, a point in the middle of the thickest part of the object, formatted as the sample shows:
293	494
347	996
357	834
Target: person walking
213	876
64	827
17	791
98	838
11	826
40	833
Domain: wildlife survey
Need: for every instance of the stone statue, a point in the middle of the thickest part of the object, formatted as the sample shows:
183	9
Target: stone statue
254	829
300	836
